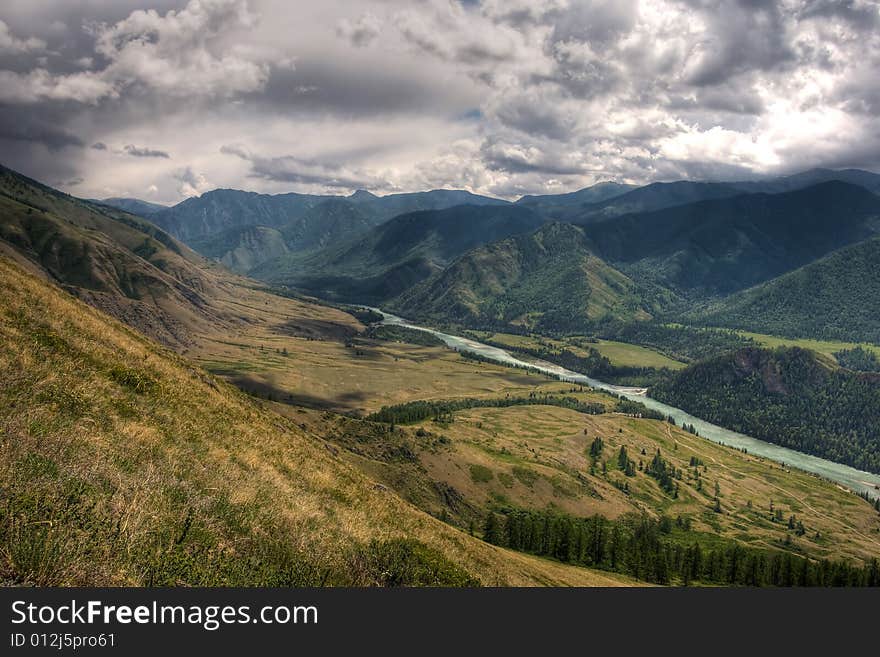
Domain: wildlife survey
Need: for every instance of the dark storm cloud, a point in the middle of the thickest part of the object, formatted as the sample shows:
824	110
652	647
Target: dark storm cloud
504	96
137	151
862	16
290	169
351	88
745	35
20	127
597	22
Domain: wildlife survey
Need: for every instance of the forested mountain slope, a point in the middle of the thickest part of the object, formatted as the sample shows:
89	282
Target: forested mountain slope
788	396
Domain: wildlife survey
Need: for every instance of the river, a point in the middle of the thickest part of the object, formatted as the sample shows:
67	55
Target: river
847	476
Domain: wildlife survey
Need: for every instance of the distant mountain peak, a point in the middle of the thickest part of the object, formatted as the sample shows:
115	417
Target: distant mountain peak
362	195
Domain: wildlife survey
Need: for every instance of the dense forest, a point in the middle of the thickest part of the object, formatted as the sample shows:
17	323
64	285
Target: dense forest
858	359
663	551
834	298
785	396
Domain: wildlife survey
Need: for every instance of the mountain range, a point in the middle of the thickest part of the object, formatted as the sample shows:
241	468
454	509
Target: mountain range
768	255
300	482
550	275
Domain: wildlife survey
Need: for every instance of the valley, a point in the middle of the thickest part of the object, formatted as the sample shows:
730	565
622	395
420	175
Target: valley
364	434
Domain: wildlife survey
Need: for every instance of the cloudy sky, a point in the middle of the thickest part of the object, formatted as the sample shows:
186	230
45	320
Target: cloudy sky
165	99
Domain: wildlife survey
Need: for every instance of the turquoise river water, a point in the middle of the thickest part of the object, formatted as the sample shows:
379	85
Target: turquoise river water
847	476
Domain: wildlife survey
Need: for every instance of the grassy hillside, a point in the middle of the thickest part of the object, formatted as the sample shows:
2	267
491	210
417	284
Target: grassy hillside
541	450
134	206
549	278
721	246
123	463
834	298
116	261
788	396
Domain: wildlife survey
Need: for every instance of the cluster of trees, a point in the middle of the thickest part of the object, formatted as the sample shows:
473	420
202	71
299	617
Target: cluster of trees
875	501
625	464
443	411
365	315
592	364
785	396
663	551
684	343
630	407
392	333
665	473
859	359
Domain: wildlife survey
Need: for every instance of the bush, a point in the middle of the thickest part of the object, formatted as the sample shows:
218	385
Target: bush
408	562
481	474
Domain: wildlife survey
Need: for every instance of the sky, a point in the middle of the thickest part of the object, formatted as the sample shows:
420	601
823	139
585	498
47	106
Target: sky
168	99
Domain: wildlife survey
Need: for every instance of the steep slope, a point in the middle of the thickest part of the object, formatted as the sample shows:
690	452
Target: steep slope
725	245
655	196
788	396
218	224
392	205
243	248
222	209
134	206
116	261
866	179
548	277
658	196
560	206
124	464
329	222
834	298
398	253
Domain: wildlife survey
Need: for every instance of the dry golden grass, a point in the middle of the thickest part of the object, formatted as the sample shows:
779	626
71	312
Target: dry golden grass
334	368
552	444
151	448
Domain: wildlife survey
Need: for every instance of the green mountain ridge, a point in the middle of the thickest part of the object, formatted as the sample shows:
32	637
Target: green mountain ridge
133	205
399	253
116	261
833	298
720	246
244	247
789	396
549	276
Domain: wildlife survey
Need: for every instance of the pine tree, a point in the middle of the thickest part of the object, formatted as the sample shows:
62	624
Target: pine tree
491	531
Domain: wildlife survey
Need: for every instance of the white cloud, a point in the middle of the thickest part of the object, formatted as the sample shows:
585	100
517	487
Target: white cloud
10	44
500	96
192	183
361	32
182	53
